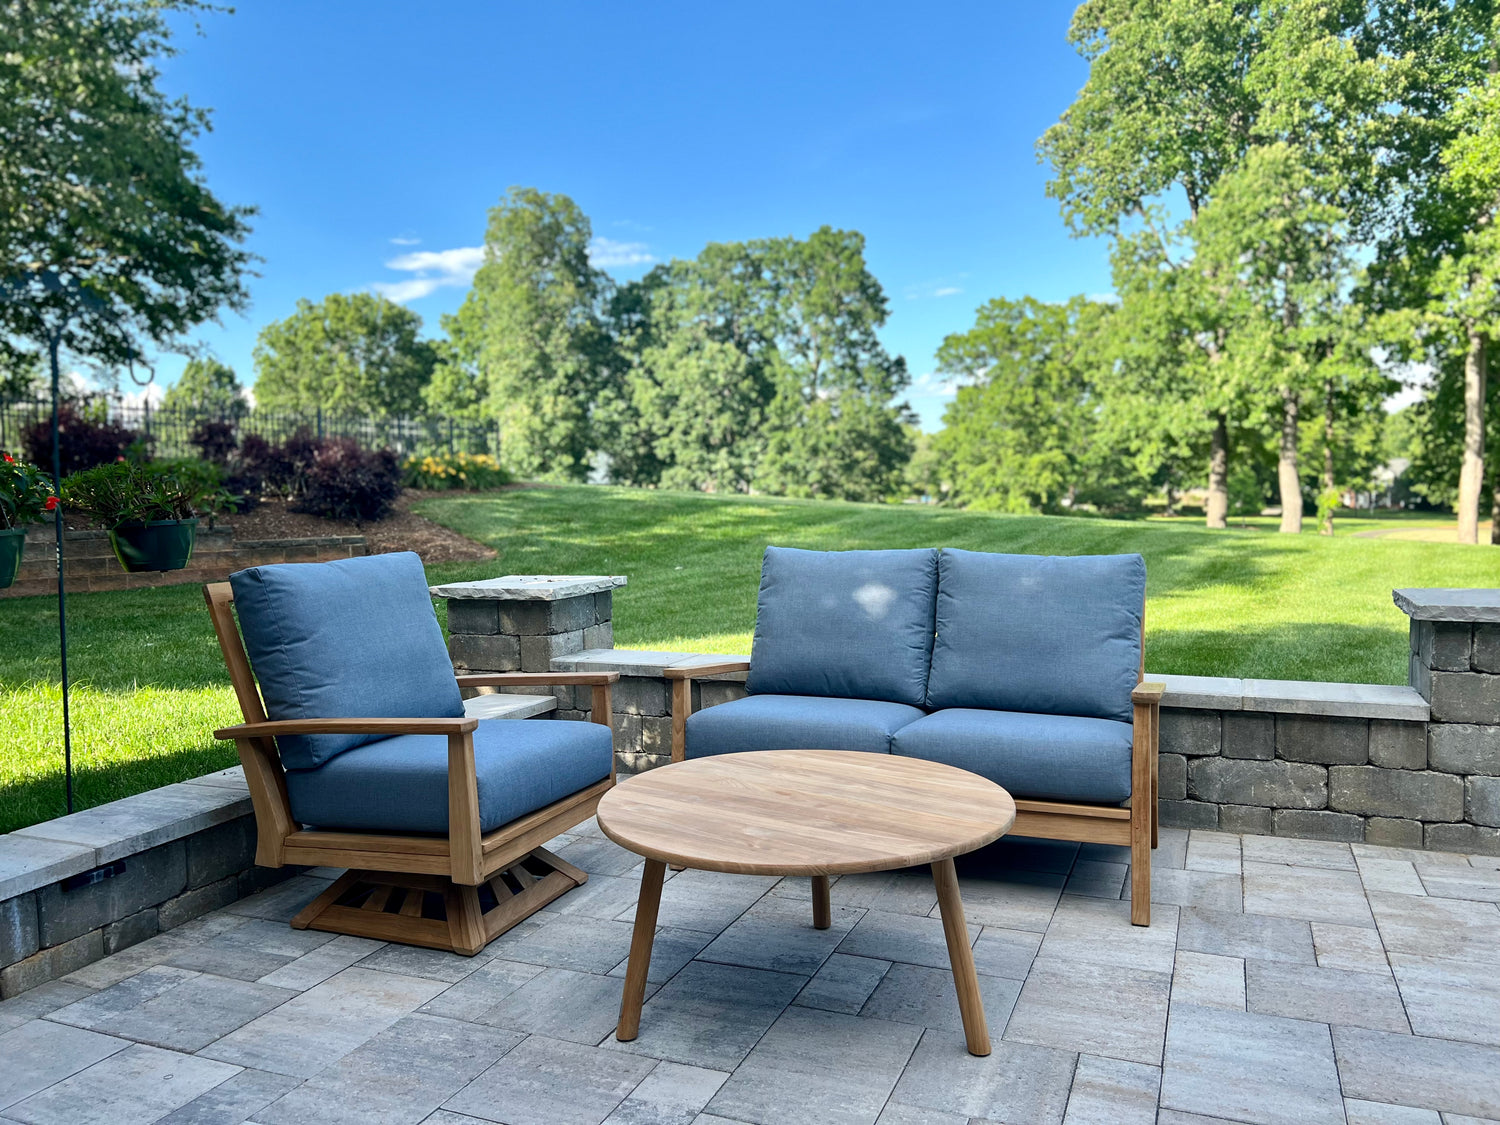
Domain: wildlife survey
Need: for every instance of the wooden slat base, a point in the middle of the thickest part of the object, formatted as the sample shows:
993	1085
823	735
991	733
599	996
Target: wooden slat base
435	912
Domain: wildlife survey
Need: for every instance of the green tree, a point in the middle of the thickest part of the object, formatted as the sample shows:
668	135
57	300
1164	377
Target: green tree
356	353
209	388
529	346
833	430
100	187
1020	435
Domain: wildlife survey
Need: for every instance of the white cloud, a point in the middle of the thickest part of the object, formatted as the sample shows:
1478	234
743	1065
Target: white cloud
431	270
947	291
1104	298
931	383
151	394
405	241
607	253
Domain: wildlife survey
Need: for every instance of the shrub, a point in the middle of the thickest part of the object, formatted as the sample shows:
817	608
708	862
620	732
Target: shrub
470	471
84	441
283	468
347	482
216	441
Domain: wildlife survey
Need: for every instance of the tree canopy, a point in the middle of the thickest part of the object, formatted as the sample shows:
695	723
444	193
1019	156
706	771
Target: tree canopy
209	388
104	214
348	353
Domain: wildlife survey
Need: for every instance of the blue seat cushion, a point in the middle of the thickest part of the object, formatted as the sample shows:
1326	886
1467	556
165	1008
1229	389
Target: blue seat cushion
1059	636
355	638
1045	757
400	784
796	722
852	624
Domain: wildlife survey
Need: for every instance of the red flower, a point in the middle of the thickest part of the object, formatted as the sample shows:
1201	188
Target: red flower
50	504
8	457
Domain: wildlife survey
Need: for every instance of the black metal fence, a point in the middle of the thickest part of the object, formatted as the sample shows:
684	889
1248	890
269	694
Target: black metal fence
169	431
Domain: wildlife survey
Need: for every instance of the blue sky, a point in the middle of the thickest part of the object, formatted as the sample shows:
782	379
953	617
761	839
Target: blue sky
374	137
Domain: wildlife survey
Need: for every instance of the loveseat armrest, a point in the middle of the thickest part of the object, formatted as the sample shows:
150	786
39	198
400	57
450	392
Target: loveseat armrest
681	680
270	728
695	671
1147	693
600	704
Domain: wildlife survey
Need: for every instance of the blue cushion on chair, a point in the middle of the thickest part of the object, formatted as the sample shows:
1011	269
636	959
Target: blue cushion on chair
1044	757
796	722
1059	636
400	784
855	624
355	638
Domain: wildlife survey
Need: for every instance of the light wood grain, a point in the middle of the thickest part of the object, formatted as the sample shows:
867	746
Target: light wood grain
804	812
961	957
641	939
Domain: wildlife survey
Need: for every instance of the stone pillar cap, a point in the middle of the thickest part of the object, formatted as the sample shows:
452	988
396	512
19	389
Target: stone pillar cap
1449	604
531	587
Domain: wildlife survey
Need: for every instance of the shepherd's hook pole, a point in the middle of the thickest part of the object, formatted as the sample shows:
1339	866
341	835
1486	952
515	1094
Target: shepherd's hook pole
53	341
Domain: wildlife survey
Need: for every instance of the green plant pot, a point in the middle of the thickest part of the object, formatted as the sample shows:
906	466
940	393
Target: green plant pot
158	545
12	545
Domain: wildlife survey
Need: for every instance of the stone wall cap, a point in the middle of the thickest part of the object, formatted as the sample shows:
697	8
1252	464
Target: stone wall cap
146	820
503	706
1315	697
1211	693
29	862
1449	604
531	587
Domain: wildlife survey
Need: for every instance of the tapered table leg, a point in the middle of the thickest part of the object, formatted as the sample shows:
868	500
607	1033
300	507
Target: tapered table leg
640	950
822	911
965	980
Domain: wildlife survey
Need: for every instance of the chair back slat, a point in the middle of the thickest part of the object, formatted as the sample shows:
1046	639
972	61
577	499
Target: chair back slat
220	597
259	756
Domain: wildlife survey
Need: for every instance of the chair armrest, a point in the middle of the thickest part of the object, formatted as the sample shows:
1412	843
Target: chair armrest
272	728
696	670
537	679
1148	694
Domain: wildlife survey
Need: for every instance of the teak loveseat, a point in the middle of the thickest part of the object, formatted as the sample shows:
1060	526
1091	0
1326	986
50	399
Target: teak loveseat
1025	669
368	762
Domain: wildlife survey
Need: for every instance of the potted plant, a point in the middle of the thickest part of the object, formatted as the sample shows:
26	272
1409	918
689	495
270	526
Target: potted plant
25	493
149	511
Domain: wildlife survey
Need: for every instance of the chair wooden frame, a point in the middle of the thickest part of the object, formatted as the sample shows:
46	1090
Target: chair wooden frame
1135	827
458	893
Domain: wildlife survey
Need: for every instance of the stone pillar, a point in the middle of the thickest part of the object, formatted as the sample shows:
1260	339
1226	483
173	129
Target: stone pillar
1455	664
525	622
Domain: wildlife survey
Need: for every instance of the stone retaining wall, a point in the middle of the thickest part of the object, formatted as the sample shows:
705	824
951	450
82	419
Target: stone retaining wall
89	563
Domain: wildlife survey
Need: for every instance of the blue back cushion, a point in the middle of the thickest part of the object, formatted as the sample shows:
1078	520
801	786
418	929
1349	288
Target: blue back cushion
355	638
856	624
1056	636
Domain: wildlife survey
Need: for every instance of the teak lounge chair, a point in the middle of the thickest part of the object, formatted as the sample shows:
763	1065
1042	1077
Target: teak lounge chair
358	755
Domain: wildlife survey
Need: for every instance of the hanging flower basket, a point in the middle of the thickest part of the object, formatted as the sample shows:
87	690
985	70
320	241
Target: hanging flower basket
157	545
12	545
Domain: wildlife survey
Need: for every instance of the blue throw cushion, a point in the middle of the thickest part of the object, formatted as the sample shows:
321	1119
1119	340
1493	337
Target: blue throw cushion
1044	757
1060	636
856	624
356	638
796	722
401	784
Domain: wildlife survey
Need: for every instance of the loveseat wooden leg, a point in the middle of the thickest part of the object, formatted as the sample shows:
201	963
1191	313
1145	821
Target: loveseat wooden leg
1140	867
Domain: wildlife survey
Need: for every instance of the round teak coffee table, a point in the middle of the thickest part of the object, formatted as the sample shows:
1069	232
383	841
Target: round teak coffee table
806	812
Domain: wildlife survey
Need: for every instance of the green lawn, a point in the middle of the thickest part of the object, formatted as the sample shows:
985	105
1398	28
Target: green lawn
149	684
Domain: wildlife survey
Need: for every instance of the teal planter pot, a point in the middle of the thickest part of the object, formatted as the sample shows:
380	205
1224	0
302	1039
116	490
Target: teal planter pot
12	545
158	545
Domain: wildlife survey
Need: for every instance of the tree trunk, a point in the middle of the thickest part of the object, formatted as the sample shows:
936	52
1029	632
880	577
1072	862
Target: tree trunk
1328	481
1217	506
1471	476
1286	466
1495	512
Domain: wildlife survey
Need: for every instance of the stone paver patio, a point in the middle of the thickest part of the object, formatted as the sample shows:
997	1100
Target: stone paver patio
1282	982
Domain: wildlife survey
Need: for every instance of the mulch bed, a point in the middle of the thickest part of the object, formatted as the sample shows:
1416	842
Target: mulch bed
402	530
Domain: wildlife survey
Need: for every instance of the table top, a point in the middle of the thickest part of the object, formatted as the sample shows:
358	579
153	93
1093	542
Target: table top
804	812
